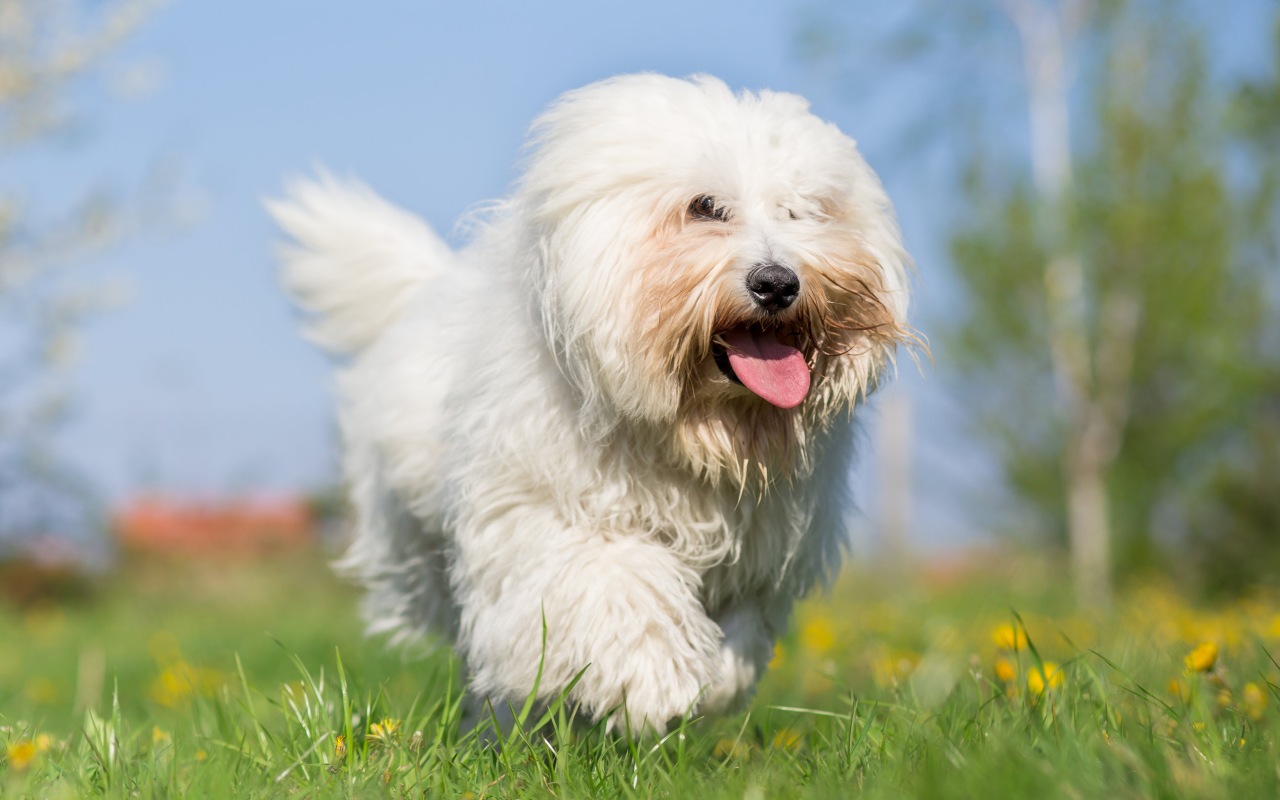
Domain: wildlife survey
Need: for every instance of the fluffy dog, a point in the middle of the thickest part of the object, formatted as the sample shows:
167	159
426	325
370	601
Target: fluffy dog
621	417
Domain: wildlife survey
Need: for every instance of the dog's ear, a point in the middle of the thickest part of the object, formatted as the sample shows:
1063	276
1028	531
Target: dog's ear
878	224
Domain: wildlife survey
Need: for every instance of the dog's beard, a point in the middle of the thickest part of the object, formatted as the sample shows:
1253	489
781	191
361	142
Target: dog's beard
691	319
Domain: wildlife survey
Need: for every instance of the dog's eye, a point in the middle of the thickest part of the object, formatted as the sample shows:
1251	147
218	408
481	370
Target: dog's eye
704	207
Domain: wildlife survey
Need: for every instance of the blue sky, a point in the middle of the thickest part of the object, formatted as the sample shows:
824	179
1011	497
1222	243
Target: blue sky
201	385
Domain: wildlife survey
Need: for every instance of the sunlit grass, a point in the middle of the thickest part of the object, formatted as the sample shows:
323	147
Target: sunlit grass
230	680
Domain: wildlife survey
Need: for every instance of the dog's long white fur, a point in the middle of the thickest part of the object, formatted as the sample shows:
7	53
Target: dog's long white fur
509	444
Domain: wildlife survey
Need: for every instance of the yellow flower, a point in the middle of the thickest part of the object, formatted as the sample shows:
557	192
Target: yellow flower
340	746
731	749
890	666
786	739
45	624
1253	700
1009	637
1005	670
385	731
179	682
817	636
42	691
21	754
1203	657
1046	675
1179	690
158	735
1274	630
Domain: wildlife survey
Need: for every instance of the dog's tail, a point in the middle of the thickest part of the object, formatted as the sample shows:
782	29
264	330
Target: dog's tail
355	260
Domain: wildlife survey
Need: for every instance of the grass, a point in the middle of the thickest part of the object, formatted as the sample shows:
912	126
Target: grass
253	680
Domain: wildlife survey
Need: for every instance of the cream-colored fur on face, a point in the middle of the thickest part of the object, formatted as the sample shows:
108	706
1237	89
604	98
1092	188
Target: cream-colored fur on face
535	427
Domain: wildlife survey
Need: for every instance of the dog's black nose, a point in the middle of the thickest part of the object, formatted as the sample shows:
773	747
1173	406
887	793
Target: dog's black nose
773	286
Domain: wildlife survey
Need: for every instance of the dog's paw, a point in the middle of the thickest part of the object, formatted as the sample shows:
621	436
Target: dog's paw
651	669
648	647
622	618
655	679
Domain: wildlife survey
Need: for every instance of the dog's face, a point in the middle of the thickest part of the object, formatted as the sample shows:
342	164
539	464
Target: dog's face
723	267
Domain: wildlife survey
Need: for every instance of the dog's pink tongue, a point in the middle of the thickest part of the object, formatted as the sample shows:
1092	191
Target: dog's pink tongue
775	371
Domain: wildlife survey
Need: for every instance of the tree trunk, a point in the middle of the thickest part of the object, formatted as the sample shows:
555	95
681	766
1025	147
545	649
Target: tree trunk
895	465
1088	523
1091	408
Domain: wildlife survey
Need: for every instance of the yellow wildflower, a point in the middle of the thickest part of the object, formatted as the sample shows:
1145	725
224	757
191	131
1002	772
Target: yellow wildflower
21	754
1224	698
817	636
1047	675
384	732
201	755
159	736
45	623
1009	637
42	691
1005	670
1203	657
179	682
1253	700
1180	690
340	747
731	749
890	666
786	739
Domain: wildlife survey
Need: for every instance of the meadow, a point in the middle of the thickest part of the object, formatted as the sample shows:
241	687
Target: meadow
239	679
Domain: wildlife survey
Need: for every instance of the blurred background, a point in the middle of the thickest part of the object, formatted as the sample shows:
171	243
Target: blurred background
1089	189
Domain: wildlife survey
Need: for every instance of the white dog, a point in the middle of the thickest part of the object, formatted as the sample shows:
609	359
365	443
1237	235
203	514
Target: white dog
624	412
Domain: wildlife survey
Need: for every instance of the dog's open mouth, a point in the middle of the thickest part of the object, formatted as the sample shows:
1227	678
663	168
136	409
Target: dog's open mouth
760	360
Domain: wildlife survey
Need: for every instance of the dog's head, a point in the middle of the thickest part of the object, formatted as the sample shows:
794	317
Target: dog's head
725	268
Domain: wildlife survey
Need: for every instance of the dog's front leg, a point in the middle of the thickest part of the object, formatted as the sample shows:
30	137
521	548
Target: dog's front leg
622	611
745	652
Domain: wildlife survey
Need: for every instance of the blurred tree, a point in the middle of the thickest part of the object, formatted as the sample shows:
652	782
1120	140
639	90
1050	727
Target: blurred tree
1235	512
47	47
1113	337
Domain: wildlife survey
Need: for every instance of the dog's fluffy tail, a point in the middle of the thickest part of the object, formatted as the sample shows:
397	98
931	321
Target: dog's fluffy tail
355	260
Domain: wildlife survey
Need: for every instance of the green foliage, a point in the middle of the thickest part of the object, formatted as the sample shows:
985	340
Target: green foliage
1237	515
1163	232
1171	208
